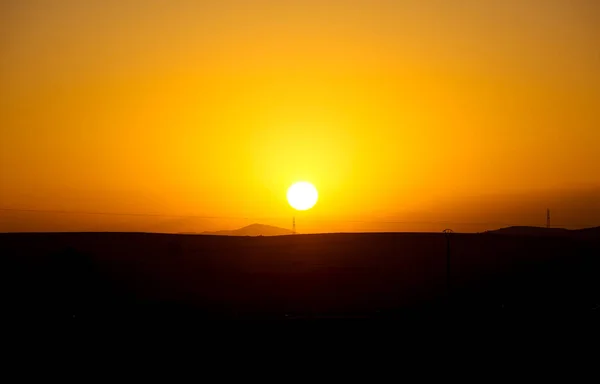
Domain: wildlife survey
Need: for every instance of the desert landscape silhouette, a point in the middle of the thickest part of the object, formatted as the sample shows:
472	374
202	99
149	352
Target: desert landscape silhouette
285	277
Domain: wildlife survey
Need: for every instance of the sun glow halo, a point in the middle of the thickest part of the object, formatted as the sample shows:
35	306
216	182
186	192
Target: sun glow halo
302	195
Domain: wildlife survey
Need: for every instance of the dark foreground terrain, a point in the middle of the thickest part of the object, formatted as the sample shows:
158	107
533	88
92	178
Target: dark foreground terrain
302	276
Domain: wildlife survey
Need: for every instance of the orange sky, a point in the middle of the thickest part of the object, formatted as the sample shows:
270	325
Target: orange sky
396	110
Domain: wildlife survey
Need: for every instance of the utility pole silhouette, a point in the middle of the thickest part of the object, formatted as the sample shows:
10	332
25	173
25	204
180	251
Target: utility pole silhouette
548	218
294	225
448	232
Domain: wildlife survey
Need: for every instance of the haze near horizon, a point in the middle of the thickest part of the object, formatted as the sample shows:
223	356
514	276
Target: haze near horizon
405	115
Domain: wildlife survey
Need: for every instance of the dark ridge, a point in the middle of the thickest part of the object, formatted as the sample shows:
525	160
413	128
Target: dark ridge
541	231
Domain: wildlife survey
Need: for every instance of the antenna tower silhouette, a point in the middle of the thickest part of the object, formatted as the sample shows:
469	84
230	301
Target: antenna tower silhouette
448	232
294	225
548	218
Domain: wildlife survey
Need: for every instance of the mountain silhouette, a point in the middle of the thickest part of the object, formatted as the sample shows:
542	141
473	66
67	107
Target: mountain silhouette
253	230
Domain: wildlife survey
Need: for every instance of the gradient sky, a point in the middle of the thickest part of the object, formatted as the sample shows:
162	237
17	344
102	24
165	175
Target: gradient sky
397	110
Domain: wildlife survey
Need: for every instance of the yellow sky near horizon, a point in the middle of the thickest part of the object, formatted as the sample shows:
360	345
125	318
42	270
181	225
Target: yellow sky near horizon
215	107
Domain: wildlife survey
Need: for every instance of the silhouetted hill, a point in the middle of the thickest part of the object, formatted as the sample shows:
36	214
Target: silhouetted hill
530	231
541	231
591	233
253	230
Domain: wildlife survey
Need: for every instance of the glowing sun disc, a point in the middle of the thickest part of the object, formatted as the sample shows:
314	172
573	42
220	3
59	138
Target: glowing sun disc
302	195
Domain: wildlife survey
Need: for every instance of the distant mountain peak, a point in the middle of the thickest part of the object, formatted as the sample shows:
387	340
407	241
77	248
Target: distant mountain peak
255	229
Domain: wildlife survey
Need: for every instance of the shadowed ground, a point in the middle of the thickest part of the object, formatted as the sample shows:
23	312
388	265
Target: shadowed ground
303	276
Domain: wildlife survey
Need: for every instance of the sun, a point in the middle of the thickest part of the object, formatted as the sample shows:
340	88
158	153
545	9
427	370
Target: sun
302	195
